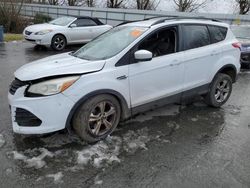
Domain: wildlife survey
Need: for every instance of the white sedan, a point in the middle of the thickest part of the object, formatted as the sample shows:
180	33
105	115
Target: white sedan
65	30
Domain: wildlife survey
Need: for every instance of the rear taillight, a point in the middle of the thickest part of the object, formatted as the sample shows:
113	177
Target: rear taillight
237	45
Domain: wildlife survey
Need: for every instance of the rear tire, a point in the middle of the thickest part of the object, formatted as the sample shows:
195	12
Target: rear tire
97	118
220	90
58	42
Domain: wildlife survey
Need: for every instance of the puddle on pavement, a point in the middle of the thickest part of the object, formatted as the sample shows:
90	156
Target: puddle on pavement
68	154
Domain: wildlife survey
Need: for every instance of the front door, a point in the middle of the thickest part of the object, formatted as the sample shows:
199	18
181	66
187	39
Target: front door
161	77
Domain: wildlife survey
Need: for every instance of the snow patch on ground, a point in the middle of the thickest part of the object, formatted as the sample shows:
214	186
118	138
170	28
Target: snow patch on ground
98	181
56	177
194	119
36	162
2	141
108	151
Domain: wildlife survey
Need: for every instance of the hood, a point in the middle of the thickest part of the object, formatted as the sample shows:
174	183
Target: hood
62	64
40	27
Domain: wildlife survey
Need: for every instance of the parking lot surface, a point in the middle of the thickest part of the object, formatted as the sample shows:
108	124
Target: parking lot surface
175	146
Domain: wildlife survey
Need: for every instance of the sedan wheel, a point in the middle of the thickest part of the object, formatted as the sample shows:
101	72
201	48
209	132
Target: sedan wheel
58	42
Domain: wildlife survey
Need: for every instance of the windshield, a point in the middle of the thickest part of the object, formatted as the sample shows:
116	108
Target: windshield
241	32
62	21
110	43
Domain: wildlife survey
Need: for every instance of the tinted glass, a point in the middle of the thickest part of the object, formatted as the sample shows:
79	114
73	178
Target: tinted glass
84	22
195	36
162	42
62	21
217	34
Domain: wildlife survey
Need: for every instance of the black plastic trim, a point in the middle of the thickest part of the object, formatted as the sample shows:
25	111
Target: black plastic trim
24	118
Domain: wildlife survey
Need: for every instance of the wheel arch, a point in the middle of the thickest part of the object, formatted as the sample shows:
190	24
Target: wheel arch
230	70
125	111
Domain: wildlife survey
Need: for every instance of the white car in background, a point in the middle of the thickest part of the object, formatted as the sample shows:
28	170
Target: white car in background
65	30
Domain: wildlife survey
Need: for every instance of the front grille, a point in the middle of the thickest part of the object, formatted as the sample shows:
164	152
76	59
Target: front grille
27	32
15	85
31	40
25	118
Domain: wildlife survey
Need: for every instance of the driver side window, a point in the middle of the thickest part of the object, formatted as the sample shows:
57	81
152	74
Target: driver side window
162	42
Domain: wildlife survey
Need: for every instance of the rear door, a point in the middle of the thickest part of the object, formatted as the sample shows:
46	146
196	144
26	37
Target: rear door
200	55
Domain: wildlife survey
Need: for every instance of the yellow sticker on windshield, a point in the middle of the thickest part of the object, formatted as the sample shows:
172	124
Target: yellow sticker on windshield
136	33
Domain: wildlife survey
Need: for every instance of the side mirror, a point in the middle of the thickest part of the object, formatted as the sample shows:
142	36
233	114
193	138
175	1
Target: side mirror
73	25
143	55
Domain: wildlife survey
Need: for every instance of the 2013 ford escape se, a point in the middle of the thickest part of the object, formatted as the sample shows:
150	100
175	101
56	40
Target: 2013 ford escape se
132	68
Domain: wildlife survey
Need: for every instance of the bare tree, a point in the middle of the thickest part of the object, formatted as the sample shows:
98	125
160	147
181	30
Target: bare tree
72	2
147	4
90	3
114	3
189	5
10	14
53	2
244	6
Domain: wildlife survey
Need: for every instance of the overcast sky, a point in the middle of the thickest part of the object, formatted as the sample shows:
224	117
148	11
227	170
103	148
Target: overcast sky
215	6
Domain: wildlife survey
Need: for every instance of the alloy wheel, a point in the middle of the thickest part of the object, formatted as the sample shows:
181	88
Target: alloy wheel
222	91
102	118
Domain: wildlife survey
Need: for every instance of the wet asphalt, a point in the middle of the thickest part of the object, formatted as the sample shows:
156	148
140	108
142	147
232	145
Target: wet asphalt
175	146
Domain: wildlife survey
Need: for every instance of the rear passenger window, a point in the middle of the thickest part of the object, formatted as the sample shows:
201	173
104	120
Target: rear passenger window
84	22
195	36
217	33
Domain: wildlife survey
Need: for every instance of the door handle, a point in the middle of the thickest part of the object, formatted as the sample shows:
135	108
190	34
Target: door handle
175	63
122	77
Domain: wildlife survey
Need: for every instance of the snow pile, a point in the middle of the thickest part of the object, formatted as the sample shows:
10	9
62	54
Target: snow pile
2	141
36	162
107	151
98	181
135	140
56	177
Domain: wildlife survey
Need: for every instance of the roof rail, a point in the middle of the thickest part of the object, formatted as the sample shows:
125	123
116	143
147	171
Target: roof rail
164	18
179	17
126	22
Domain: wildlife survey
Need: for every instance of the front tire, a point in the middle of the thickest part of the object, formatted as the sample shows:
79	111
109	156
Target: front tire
220	90
97	118
58	42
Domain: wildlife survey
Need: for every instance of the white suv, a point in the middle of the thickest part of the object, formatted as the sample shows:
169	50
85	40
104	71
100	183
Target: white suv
132	68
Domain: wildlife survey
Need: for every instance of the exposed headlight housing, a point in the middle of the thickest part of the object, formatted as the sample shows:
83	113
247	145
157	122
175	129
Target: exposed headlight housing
51	87
43	32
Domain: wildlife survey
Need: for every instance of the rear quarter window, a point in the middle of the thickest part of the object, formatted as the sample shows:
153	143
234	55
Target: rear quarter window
217	33
195	36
